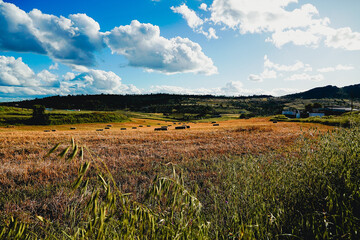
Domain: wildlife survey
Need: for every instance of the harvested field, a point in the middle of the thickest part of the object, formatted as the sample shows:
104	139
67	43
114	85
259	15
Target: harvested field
134	157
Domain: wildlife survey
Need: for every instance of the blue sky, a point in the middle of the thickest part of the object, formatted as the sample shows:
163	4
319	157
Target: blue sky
220	47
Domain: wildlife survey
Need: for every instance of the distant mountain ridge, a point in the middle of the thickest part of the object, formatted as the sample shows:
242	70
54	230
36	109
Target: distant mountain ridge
352	91
157	102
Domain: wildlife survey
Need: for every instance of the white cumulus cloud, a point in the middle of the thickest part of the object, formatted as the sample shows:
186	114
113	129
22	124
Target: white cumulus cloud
14	72
54	66
143	46
71	40
203	6
75	39
301	26
97	81
18	79
194	21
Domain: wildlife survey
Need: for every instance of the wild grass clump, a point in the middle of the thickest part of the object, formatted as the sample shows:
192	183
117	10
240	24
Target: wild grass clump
312	194
168	211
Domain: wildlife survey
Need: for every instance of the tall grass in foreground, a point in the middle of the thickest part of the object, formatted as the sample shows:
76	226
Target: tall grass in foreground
313	192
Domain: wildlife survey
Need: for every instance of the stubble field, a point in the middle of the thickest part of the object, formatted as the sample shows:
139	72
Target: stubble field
242	171
134	156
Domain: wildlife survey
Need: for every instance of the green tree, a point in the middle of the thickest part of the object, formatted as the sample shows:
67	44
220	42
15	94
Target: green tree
39	117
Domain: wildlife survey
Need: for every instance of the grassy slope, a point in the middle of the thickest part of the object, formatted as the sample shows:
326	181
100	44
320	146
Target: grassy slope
22	116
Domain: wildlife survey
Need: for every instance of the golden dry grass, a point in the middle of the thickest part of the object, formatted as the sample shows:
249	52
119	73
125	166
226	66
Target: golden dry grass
134	156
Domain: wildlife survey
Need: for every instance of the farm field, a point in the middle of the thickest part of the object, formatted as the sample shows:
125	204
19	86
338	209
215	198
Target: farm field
218	163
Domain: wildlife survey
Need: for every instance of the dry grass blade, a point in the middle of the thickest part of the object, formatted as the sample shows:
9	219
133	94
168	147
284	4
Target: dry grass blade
82	171
64	152
72	143
53	149
73	154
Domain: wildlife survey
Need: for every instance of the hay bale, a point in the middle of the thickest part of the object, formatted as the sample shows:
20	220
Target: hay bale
274	121
213	122
107	128
187	126
164	127
148	125
160	129
53	130
216	124
122	128
100	130
72	128
46	130
140	125
134	127
180	127
109	125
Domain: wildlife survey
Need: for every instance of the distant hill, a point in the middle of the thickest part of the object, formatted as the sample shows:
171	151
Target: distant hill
329	91
103	102
260	105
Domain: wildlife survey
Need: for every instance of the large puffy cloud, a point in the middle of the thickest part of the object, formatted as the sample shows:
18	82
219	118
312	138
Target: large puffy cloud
18	79
14	72
17	30
71	40
75	39
301	26
143	46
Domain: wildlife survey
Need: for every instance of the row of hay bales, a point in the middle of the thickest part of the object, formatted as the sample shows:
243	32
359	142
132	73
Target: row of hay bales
162	128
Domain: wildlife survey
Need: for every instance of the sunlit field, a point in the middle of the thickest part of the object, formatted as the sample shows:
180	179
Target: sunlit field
245	179
134	155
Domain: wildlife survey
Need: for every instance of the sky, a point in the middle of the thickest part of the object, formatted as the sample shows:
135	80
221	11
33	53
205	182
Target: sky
219	47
